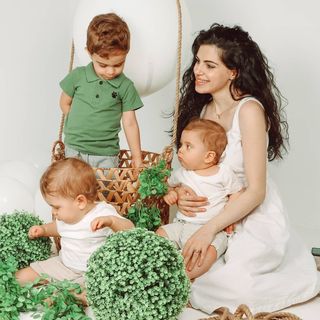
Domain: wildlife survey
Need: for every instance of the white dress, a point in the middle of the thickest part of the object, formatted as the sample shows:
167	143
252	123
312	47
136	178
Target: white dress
266	266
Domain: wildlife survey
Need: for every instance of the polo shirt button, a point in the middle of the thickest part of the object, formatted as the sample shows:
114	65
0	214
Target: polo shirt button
97	96
100	82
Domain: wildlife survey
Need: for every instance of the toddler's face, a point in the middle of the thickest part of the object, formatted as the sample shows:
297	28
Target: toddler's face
192	151
110	68
65	209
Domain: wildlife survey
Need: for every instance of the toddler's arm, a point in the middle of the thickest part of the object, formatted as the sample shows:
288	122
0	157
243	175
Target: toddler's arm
65	103
45	230
131	130
112	222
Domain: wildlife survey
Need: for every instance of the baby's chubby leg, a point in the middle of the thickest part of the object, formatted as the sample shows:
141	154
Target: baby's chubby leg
26	275
160	232
171	231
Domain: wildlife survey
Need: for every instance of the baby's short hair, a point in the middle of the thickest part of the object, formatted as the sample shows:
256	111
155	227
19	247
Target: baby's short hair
212	134
69	178
108	34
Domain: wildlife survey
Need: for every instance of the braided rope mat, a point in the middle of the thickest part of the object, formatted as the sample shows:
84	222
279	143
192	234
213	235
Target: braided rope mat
244	313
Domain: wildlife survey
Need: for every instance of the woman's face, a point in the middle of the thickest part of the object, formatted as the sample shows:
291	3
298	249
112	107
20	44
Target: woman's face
211	75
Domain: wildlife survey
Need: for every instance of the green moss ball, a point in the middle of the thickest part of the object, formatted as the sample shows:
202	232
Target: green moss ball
14	240
137	275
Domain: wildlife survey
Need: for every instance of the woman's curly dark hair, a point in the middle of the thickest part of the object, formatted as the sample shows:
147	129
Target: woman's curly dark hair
253	78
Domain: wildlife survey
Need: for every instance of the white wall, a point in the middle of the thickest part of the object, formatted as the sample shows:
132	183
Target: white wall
35	37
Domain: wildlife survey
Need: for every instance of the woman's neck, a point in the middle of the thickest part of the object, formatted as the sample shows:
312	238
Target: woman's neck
222	103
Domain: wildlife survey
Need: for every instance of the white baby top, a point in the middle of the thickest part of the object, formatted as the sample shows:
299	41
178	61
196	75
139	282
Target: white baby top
215	187
78	241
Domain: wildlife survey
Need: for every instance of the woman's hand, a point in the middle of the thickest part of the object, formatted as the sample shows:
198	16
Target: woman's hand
196	247
230	229
188	202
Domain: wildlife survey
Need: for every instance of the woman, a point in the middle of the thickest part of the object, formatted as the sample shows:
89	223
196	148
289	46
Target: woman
265	265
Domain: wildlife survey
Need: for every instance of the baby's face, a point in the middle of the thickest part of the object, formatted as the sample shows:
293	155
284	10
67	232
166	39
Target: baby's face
65	209
192	151
108	68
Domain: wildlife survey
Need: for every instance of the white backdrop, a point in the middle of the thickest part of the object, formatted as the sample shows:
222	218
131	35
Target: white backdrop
35	38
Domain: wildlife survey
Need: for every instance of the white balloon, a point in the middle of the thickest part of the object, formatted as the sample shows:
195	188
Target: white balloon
153	25
23	171
41	208
14	195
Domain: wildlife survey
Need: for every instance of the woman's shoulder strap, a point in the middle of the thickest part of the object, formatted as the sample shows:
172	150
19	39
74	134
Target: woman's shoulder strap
240	104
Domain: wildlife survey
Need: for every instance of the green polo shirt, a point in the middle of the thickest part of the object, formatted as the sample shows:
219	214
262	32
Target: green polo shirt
92	126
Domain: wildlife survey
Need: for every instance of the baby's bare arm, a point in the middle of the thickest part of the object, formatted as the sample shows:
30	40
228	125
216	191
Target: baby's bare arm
112	222
44	230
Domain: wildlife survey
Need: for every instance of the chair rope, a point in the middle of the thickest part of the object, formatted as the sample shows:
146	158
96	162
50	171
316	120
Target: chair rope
178	73
58	149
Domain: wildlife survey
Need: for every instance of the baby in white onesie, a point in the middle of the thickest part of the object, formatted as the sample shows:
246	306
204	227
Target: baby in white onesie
70	187
201	146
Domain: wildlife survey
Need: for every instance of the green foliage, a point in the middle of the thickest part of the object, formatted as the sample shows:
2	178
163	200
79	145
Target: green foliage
145	217
14	299
62	303
153	180
145	213
14	240
137	275
54	300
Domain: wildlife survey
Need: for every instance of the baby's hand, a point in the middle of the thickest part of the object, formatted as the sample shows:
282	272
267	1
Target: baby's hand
100	222
230	229
171	198
36	232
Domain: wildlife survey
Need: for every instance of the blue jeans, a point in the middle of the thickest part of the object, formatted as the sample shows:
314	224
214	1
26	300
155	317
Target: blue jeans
94	161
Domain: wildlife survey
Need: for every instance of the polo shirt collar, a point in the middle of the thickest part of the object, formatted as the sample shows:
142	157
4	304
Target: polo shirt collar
92	76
